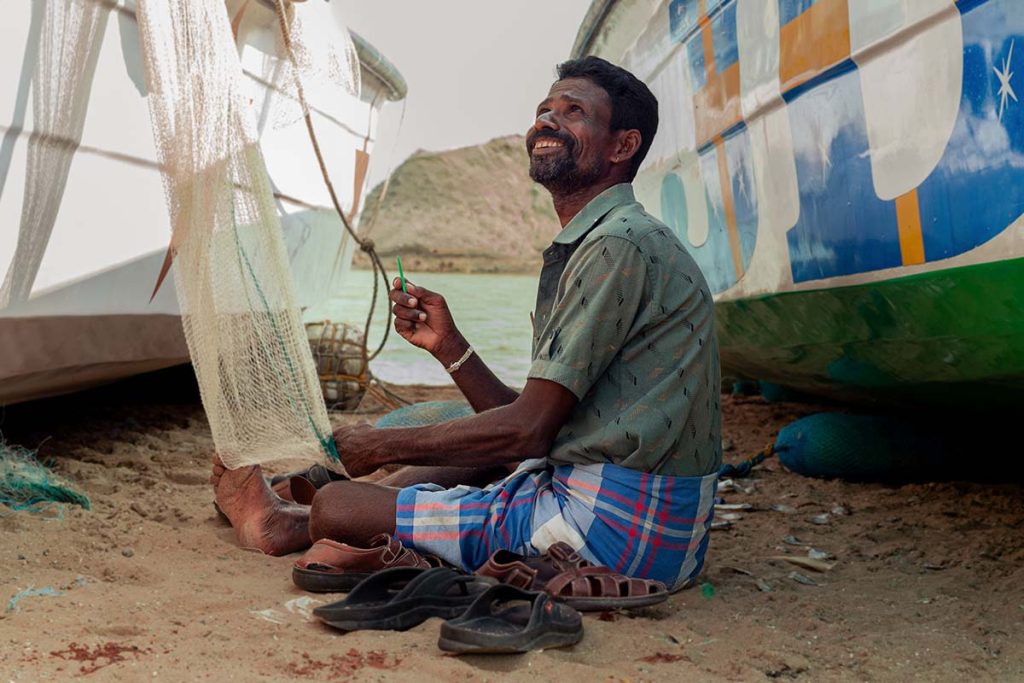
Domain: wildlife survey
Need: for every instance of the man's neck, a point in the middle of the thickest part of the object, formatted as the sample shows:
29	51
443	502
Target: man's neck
569	204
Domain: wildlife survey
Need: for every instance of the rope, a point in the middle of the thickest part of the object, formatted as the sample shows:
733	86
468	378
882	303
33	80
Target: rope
743	469
365	244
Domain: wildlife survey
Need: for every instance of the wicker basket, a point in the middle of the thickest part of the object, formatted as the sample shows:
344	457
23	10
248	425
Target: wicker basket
340	362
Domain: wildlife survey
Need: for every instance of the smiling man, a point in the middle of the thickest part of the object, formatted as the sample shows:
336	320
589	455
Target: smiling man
614	443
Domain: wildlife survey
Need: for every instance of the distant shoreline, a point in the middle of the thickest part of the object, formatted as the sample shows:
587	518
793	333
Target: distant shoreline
454	264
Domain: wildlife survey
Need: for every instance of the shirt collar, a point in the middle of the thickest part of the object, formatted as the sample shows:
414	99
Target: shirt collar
596	209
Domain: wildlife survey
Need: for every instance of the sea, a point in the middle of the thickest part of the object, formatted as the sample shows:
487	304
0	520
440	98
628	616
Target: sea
492	312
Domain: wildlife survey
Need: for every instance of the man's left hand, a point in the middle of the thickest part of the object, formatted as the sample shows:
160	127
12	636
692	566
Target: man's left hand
356	445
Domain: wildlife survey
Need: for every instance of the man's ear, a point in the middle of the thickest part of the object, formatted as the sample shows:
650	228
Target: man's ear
627	144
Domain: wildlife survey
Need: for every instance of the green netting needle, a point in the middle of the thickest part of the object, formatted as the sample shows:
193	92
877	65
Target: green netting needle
401	274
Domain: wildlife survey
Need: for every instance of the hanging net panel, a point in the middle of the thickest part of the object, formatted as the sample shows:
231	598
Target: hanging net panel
70	35
244	330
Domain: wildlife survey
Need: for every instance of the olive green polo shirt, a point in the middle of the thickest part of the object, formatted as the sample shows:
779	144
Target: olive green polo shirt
624	320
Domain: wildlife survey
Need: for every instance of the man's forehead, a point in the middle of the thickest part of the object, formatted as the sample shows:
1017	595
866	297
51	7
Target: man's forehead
581	89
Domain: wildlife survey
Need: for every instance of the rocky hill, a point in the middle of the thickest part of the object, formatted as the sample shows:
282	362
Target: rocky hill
473	209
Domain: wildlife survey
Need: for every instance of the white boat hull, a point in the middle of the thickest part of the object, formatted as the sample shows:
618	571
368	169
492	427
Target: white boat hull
92	316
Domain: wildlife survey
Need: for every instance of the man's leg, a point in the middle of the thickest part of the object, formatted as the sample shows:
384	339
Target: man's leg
352	512
264	522
445	477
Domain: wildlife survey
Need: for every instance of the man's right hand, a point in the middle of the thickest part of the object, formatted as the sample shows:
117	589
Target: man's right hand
422	318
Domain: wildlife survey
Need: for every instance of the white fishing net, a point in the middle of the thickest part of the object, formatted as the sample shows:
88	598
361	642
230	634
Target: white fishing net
315	68
244	331
70	36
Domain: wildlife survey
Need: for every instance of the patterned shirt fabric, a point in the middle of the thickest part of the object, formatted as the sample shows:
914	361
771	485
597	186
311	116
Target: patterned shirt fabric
624	320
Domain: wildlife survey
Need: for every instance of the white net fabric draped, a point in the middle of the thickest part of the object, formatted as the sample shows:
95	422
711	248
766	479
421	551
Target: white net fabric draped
243	326
70	36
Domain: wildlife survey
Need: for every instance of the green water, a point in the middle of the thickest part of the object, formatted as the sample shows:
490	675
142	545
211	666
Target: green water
492	311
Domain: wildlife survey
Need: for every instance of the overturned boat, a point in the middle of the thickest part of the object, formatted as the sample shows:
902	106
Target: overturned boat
83	226
850	177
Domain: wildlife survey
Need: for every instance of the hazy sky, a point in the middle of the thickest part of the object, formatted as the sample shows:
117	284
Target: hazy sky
476	69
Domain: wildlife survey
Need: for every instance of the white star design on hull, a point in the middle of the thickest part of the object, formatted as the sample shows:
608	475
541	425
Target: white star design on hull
1004	76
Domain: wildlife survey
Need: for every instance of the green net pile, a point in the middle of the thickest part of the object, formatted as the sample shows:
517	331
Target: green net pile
27	484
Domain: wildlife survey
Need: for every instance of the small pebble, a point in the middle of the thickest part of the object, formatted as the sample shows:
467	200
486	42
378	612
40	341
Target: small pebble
763	586
733	506
840	511
821	519
22	557
816	554
728	445
792	540
128	552
803	578
783	508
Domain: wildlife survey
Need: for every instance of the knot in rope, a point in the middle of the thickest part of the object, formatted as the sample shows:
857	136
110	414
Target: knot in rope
366	245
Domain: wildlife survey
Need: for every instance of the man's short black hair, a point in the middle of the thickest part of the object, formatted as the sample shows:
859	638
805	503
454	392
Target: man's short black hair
633	103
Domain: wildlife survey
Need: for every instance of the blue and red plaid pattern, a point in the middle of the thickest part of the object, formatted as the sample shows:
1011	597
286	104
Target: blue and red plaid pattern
643	525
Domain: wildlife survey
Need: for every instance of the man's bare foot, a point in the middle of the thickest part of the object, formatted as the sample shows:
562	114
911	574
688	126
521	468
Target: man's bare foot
262	521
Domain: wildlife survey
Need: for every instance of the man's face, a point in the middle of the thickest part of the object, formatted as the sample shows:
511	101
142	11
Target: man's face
570	142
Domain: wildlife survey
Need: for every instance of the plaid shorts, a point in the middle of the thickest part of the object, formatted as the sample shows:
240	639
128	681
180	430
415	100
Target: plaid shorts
639	524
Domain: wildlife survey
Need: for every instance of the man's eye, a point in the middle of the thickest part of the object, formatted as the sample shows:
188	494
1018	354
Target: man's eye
576	109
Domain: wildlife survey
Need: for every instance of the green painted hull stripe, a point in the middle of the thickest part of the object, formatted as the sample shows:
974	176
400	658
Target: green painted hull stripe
950	335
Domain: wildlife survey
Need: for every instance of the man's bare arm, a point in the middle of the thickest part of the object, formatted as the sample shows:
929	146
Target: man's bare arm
525	428
422	318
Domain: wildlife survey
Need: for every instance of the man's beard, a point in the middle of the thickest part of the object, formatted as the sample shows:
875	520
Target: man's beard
560	172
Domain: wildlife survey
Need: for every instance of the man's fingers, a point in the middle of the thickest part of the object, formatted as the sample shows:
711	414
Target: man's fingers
404	326
406	313
422	293
400	298
396	286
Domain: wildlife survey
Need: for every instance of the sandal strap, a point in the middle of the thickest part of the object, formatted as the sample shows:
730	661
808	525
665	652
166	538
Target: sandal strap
437	581
382	552
382	584
585	583
518	575
483	606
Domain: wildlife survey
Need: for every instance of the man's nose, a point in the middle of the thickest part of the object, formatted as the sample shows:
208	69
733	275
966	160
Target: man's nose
546	120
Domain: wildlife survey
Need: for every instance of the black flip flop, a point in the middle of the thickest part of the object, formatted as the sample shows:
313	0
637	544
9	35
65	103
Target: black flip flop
402	597
492	625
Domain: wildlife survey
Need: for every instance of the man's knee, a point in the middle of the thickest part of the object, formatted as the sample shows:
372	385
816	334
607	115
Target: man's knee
327	515
352	512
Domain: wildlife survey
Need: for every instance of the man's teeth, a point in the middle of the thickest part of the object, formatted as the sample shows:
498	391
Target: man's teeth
540	144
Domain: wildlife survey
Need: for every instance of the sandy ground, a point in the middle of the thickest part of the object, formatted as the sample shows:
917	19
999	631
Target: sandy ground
928	581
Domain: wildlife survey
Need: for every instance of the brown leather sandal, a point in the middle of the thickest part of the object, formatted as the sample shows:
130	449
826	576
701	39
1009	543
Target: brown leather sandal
304	483
332	567
569	578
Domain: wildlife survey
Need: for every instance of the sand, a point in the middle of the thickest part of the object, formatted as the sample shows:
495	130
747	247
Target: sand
928	581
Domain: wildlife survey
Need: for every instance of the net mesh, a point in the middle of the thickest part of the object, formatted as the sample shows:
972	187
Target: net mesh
243	327
70	35
311	68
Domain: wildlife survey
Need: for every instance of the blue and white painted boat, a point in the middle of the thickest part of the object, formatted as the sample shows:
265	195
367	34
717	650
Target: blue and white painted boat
849	174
